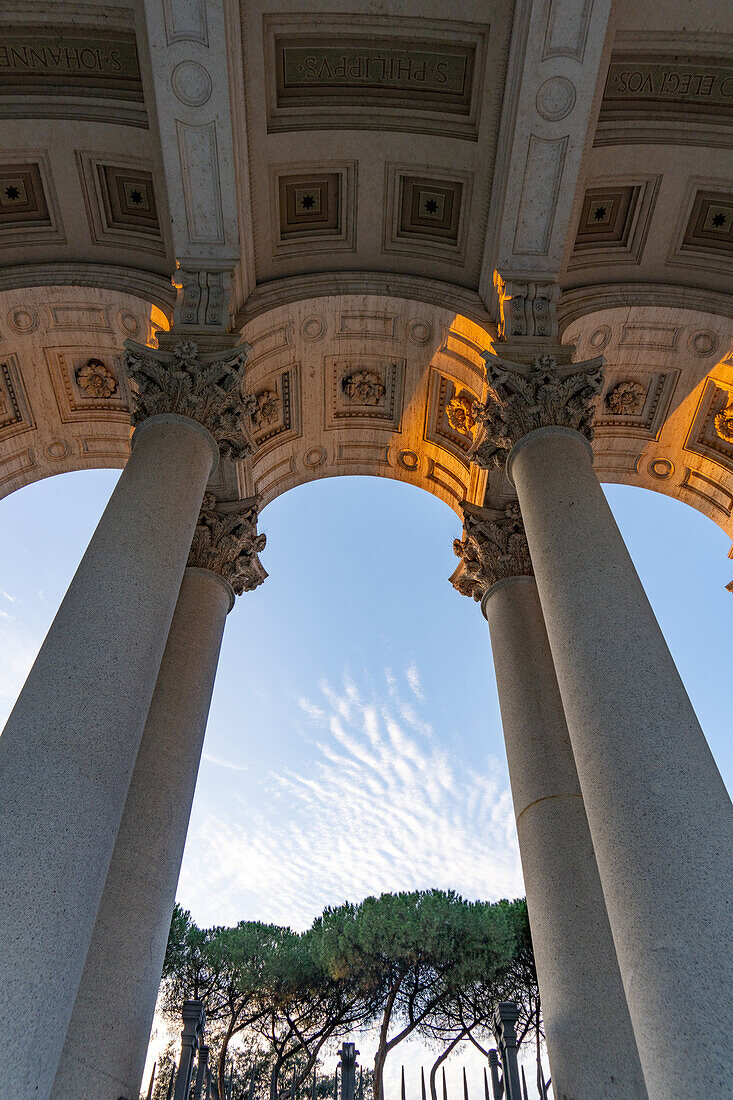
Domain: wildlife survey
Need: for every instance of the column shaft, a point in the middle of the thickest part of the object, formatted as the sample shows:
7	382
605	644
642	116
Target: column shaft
104	1052
590	1039
658	811
69	747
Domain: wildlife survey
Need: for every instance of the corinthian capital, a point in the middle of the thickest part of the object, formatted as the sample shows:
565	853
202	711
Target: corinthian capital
493	547
226	542
522	398
207	388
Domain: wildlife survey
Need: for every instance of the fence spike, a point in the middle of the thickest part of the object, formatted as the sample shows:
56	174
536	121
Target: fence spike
524	1086
445	1087
152	1078
486	1085
422	1083
465	1085
403	1084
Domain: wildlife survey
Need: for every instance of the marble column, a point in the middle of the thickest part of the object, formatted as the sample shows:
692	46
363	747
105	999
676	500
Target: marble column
104	1052
590	1039
68	750
659	814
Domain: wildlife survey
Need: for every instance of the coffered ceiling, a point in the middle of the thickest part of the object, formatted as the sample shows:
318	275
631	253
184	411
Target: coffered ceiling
342	184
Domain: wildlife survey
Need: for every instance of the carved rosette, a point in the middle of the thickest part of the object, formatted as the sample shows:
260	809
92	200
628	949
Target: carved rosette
521	399
363	387
459	413
265	408
95	379
226	542
626	398
207	388
492	548
724	423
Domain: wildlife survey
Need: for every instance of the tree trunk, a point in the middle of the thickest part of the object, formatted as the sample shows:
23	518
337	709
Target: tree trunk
439	1061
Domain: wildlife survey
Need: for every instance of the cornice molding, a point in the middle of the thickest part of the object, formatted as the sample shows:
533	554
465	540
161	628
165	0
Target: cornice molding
583	300
152	288
299	288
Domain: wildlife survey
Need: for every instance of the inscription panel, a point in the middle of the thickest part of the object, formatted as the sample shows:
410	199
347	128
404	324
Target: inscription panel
378	73
645	93
48	72
368	70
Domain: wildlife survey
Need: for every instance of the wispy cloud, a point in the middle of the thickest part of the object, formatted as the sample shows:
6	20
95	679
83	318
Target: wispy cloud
220	762
413	678
384	804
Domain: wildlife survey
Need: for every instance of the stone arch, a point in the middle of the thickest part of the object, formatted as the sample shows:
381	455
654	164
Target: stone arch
669	376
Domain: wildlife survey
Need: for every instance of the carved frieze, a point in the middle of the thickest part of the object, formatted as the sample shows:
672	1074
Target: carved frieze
493	547
207	388
521	399
226	542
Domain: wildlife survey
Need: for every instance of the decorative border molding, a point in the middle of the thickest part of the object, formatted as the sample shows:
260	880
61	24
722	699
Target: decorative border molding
92	168
342	241
686	254
636	232
53	231
409	243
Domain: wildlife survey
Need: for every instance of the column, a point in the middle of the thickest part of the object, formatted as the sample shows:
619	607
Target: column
658	811
590	1039
69	747
106	1044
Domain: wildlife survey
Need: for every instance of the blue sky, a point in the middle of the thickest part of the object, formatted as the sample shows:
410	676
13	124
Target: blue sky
354	742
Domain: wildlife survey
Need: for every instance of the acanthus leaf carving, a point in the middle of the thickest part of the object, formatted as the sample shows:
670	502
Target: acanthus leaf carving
521	399
493	547
226	542
207	388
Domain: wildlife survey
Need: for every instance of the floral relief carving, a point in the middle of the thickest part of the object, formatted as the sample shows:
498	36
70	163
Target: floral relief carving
459	413
521	399
207	388
724	423
265	408
626	398
364	387
492	548
95	379
226	542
